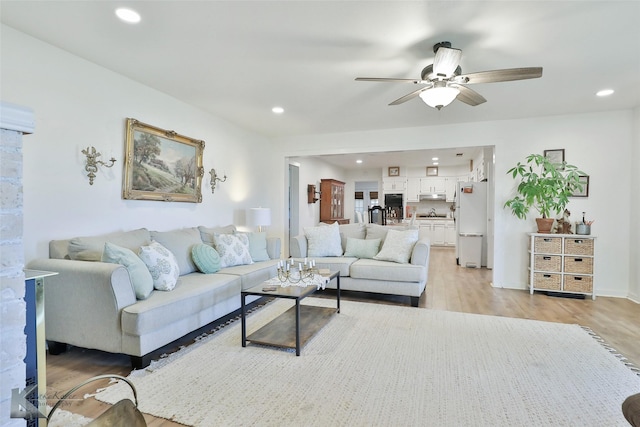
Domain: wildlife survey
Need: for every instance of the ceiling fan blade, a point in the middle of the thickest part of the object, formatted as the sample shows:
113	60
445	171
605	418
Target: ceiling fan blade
381	79
468	96
500	75
446	61
409	96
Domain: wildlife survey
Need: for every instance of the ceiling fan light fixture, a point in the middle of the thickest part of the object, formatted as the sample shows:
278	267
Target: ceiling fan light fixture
440	95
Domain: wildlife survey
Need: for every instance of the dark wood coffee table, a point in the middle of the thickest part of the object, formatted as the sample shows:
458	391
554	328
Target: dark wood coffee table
296	326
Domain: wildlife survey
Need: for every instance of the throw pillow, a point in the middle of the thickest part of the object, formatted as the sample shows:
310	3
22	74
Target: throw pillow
323	240
362	248
162	265
257	246
140	277
179	242
206	258
357	231
91	248
207	233
233	249
398	246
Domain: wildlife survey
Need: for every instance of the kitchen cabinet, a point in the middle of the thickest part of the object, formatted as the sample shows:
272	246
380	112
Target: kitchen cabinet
441	232
450	185
562	263
432	185
332	201
450	233
394	185
413	190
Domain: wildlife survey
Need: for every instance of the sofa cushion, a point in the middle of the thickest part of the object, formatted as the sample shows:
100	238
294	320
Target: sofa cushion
179	242
207	233
371	269
162	265
397	246
356	231
138	274
257	246
362	248
91	248
205	258
323	240
253	274
340	264
233	249
191	295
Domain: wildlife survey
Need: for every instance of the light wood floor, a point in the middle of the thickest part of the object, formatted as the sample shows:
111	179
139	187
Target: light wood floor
450	288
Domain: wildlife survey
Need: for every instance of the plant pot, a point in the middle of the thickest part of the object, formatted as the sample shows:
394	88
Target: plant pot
544	225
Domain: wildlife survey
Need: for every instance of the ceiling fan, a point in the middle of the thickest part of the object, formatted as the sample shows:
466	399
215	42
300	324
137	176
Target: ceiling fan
444	82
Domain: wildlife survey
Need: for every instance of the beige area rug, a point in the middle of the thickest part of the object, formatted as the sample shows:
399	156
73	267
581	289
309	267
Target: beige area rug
381	365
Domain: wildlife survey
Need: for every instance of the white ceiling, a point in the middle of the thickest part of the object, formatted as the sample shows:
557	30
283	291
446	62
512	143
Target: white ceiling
238	59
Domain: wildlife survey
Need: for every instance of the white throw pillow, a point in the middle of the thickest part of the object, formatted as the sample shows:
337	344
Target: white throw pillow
323	240
398	246
233	249
162	265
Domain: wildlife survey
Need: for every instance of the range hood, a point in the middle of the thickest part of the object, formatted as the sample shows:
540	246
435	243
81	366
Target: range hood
433	196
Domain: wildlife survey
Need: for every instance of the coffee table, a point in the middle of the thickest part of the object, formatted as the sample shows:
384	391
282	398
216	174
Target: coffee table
307	319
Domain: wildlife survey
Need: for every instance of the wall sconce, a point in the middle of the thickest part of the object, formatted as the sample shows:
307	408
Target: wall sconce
92	163
215	179
311	193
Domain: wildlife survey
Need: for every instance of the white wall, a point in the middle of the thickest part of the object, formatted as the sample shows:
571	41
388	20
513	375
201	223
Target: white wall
634	159
599	143
78	104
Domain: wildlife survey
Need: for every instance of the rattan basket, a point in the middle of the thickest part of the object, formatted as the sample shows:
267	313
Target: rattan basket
547	281
576	246
578	284
547	263
583	265
548	245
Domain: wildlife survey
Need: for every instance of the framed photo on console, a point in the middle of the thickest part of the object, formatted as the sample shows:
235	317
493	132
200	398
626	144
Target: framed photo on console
161	165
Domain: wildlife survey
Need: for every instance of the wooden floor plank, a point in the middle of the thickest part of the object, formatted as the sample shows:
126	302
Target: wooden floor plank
450	287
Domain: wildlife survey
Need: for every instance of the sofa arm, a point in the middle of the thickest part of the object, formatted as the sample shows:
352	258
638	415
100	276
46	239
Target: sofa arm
83	302
298	246
273	247
421	250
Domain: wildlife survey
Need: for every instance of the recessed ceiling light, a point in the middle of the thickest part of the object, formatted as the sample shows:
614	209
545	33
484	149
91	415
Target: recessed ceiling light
128	15
358	161
435	163
605	92
434	159
278	110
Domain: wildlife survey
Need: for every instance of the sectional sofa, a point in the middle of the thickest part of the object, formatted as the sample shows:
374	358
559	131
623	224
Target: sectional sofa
102	305
367	262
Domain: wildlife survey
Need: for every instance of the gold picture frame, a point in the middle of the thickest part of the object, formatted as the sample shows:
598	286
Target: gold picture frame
394	170
161	165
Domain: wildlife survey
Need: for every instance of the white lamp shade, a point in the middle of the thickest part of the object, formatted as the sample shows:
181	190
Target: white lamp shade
259	217
439	96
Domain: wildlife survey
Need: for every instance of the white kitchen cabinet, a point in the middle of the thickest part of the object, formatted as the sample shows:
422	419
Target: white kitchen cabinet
450	184
394	185
438	228
441	232
413	189
450	233
432	185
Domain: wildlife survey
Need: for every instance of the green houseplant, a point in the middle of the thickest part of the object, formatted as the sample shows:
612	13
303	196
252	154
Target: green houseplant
544	186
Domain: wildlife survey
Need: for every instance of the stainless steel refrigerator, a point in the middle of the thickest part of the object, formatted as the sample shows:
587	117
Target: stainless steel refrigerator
471	224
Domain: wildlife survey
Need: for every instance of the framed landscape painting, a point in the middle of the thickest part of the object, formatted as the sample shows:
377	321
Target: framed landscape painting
161	165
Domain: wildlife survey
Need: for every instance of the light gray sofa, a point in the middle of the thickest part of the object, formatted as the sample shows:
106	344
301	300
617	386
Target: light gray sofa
92	304
371	275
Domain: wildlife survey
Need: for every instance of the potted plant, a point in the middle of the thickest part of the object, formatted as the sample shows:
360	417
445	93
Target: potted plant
545	186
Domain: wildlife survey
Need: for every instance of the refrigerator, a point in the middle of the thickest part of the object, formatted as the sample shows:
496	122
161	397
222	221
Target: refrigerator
471	224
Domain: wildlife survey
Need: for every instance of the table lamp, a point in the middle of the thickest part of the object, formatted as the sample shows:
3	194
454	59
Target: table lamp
259	217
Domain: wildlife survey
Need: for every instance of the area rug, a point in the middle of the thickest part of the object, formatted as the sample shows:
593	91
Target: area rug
382	365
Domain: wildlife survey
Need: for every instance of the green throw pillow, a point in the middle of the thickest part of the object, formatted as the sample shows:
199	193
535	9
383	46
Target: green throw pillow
138	273
361	248
205	258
